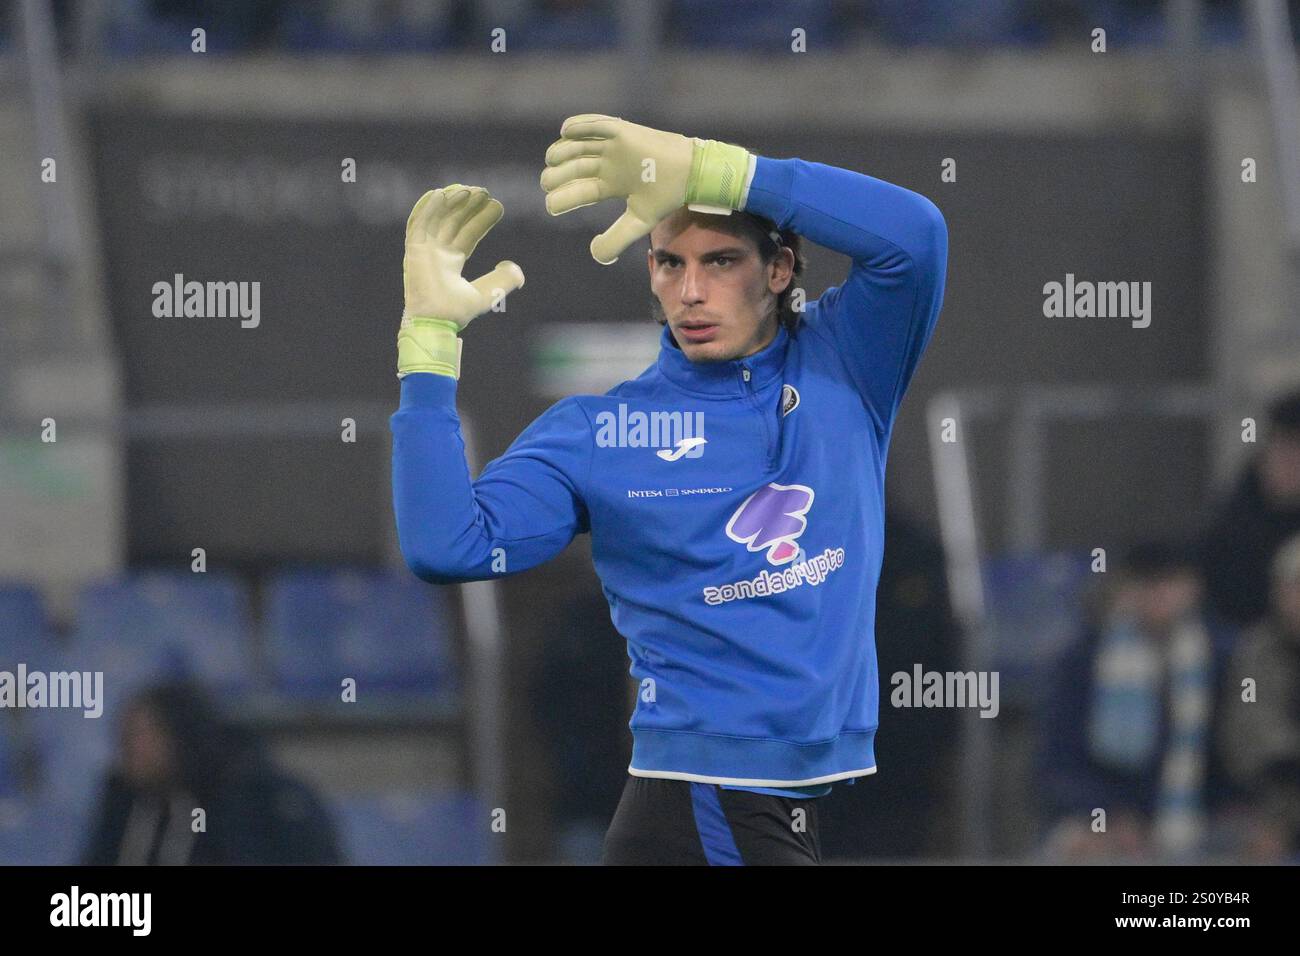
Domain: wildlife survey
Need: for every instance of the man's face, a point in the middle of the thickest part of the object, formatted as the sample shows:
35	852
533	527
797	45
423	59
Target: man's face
713	289
1158	604
148	758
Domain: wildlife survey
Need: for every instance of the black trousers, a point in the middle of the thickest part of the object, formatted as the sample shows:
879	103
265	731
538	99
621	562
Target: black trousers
680	823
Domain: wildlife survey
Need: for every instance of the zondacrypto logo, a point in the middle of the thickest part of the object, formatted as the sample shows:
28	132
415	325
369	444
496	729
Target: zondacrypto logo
771	520
813	571
80	690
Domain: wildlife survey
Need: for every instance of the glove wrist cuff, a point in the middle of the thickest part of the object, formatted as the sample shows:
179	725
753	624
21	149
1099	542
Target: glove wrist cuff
429	345
718	173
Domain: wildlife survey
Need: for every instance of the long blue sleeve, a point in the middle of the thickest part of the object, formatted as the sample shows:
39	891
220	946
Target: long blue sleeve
523	510
881	318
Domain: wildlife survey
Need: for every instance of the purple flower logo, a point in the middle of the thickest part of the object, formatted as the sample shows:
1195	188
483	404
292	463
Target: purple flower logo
772	518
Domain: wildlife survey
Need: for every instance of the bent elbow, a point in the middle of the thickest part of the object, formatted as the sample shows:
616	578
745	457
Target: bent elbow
936	227
432	565
932	236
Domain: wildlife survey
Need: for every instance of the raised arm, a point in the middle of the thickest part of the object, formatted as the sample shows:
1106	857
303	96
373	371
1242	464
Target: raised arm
879	321
523	510
529	503
882	316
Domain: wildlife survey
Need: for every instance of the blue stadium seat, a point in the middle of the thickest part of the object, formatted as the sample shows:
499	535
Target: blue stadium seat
70	750
1035	607
452	828
368	26
38	833
166	625
389	631
25	639
9	782
754	24
591	25
73	753
73	750
140	27
1129	24
24	631
963	23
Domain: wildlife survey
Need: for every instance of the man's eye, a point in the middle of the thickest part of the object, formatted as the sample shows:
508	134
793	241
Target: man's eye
724	260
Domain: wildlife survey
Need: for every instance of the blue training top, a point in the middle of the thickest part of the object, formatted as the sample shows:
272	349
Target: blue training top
742	570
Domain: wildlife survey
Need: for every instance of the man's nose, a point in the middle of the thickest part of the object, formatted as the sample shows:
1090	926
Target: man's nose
693	284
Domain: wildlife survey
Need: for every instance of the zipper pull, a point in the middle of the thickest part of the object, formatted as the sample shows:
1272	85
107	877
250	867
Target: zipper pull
744	373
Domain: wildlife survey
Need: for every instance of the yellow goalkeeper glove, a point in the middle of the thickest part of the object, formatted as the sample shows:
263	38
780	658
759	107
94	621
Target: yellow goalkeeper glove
442	231
603	157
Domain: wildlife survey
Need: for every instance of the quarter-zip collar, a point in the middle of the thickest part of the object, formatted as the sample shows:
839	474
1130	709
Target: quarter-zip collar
723	378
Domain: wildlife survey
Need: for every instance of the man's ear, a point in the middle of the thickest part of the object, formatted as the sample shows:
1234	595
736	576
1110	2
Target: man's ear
781	268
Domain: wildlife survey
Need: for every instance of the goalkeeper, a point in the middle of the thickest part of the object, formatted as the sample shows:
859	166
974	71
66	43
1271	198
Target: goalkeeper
741	563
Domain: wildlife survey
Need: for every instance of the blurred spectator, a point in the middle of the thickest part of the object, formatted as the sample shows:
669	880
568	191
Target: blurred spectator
1250	526
1262	737
177	755
1132	716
